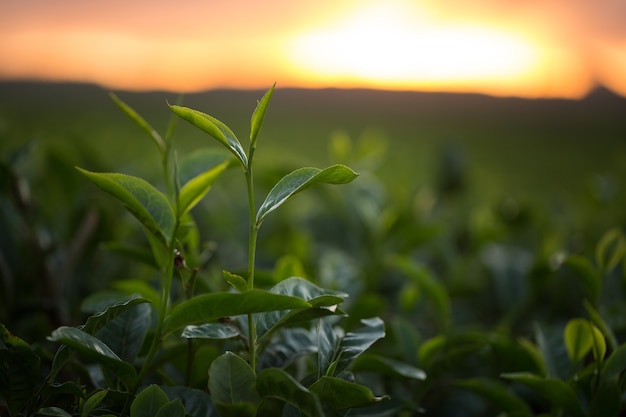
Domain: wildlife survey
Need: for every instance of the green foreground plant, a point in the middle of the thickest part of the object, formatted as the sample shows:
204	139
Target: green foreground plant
261	354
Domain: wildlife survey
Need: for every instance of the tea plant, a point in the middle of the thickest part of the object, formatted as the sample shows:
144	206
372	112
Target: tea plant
276	351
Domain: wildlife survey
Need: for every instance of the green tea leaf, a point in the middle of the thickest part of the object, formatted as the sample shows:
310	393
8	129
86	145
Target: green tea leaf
587	274
357	342
498	394
126	332
554	390
235	281
135	117
96	350
93	401
601	324
299	180
98	321
214	128
327	348
611	249
209	307
341	394
380	364
258	115
317	297
148	402
145	202
215	331
232	383
197	172
174	408
197	402
580	337
19	371
276	383
615	364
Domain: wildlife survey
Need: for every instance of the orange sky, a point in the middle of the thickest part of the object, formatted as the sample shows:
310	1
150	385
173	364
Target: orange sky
531	48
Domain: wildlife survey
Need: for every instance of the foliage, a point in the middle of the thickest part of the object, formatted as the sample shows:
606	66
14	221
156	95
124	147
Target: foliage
367	301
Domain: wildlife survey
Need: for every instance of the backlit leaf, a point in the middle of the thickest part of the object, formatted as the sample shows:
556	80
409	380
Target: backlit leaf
145	202
214	128
258	115
299	180
581	336
140	121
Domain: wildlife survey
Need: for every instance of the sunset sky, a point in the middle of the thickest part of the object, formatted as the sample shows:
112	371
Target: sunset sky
532	48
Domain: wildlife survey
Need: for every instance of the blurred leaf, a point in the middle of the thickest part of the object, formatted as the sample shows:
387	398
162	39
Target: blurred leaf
599	322
353	344
135	117
215	129
232	386
96	350
136	253
19	371
53	412
607	401
145	202
321	299
209	307
215	331
93	401
383	365
615	364
433	289
299	180
429	349
148	402
235	281
611	249
288	266
580	337
197	172
589	277
276	383
141	287
258	116
554	390
498	394
341	394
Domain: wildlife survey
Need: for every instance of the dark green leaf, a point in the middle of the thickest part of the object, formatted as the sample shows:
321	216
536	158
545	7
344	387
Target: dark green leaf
93	401
125	334
341	394
327	347
590	279
357	342
276	383
287	345
601	324
607	401
53	412
140	122
209	307
95	350
214	128
174	408
615	364
555	390
232	386
299	180
19	371
215	331
98	321
197	403
380	364
145	202
498	394
258	115
319	298
148	402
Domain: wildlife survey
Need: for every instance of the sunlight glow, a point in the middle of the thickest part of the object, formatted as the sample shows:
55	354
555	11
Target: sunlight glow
383	44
